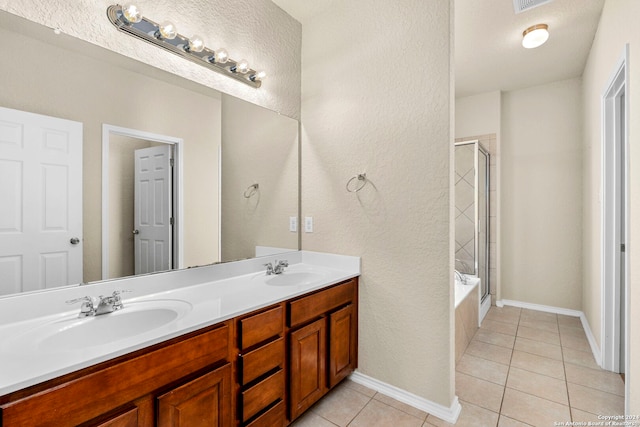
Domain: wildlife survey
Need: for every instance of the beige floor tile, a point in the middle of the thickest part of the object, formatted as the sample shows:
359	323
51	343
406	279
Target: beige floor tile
575	331
489	352
501	327
494	338
341	405
595	378
595	401
311	419
359	388
538	347
510	422
479	392
538	385
540	324
538	364
539	335
500	315
401	406
377	414
471	416
576	343
533	410
578	357
569	320
534	315
483	369
583	416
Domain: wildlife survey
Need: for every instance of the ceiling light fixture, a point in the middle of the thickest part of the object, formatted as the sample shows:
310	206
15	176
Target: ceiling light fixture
535	36
129	19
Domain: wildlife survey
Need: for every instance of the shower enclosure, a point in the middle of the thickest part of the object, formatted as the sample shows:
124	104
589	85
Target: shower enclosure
472	212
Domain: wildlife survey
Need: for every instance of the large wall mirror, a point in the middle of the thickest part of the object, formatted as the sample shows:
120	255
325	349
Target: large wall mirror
229	193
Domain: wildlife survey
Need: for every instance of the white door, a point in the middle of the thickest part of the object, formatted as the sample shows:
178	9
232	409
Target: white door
153	200
40	202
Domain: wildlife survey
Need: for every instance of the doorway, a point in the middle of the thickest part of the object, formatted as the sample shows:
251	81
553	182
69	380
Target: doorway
142	225
615	221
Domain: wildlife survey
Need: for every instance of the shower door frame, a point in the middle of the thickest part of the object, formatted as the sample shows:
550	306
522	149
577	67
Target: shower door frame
479	148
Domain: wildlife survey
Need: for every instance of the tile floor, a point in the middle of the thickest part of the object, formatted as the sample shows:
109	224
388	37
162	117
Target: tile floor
522	368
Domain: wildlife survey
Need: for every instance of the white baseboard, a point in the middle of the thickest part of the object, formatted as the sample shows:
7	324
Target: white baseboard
595	349
449	414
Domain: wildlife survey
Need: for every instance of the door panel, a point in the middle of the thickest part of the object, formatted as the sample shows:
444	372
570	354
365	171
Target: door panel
153	209
41	193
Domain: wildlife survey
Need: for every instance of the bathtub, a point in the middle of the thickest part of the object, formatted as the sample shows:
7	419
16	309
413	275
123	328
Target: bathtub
467	307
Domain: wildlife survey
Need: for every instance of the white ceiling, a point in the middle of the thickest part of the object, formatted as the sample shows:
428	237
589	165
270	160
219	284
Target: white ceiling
488	44
488	41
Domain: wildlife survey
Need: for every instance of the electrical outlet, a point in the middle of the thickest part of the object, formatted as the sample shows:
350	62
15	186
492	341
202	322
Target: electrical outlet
308	224
293	223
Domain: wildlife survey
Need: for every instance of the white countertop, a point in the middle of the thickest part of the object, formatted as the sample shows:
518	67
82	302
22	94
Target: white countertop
204	296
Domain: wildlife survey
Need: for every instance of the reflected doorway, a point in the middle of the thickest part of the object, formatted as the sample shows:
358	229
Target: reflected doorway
141	222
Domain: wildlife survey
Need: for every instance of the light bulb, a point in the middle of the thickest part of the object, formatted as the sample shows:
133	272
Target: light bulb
242	66
535	36
168	30
131	13
259	76
221	56
196	44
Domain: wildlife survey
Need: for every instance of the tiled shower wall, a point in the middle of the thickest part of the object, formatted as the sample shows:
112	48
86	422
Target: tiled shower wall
489	143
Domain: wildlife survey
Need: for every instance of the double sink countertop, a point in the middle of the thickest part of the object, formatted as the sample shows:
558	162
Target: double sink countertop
42	337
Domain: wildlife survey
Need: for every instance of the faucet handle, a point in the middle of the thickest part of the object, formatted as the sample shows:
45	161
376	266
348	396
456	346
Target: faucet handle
117	298
87	308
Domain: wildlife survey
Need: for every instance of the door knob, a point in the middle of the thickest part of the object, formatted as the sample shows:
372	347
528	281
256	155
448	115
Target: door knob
136	231
74	241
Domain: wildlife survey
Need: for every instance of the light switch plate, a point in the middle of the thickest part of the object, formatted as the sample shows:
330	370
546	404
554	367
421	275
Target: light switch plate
308	224
293	223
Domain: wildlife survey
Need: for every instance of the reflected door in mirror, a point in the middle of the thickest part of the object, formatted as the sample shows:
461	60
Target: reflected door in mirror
41	201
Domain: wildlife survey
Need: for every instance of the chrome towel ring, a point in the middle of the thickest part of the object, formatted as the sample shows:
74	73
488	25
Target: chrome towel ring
357	183
251	190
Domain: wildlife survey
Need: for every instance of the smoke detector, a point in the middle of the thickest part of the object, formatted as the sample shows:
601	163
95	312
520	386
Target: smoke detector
520	6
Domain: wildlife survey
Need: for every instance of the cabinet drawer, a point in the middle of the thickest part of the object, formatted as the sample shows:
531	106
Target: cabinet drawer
274	417
308	308
262	360
262	395
260	327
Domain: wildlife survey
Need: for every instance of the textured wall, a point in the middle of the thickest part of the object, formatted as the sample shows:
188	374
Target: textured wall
541	172
256	30
364	113
618	26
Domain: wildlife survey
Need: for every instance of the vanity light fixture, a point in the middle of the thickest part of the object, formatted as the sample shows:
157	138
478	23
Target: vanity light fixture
535	36
128	19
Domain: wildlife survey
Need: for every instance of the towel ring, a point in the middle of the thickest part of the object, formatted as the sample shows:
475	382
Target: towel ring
362	181
251	190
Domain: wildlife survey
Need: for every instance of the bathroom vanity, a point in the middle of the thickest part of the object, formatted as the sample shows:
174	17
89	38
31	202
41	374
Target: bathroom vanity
271	347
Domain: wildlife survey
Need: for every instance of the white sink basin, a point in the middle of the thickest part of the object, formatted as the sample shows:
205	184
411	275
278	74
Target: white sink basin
74	333
293	278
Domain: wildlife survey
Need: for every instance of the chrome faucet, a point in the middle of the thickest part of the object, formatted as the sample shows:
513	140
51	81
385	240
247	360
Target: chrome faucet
278	268
96	306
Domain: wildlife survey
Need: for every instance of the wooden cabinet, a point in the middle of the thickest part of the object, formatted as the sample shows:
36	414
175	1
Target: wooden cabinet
131	381
323	351
307	366
262	369
204	401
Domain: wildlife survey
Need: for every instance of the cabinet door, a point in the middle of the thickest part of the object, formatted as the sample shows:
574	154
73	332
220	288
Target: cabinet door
342	344
205	401
308	366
